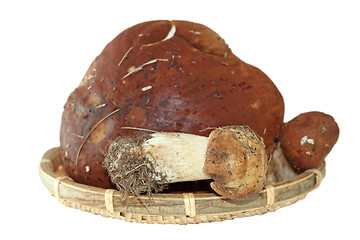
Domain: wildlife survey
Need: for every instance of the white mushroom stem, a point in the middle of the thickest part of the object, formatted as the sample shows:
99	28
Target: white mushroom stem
178	156
284	171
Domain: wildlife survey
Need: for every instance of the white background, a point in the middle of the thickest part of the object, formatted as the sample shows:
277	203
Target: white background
310	49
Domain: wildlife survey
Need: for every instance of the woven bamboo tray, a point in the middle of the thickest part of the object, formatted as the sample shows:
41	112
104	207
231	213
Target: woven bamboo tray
183	208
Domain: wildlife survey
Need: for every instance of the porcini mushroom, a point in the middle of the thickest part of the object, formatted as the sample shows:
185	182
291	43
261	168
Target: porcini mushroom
234	157
170	76
307	139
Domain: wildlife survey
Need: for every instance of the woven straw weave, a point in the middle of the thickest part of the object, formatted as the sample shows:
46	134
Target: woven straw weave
185	208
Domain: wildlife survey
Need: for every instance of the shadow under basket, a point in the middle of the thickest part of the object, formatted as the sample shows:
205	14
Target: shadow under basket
172	208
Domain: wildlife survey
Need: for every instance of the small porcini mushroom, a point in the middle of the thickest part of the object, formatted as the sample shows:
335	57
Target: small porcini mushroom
237	160
234	156
307	139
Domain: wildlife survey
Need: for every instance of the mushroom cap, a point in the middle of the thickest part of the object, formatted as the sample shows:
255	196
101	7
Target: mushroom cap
166	76
237	161
307	139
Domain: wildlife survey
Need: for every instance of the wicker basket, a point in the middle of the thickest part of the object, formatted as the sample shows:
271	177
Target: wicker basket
184	208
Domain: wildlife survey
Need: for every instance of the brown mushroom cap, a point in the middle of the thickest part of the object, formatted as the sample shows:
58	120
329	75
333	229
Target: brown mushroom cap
237	161
156	78
307	139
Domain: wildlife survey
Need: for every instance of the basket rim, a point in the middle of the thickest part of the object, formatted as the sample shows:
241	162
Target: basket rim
178	208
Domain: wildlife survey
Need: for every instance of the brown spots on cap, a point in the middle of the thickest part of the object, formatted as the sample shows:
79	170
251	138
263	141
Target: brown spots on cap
98	134
137	117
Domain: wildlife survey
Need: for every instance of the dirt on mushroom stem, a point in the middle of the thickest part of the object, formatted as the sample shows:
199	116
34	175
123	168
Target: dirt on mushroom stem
132	173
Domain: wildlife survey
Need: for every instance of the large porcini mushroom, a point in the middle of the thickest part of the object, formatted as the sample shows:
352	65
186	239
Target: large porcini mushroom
170	76
234	157
178	76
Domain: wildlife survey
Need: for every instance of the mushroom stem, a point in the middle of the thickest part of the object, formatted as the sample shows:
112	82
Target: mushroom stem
233	156
166	157
178	156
